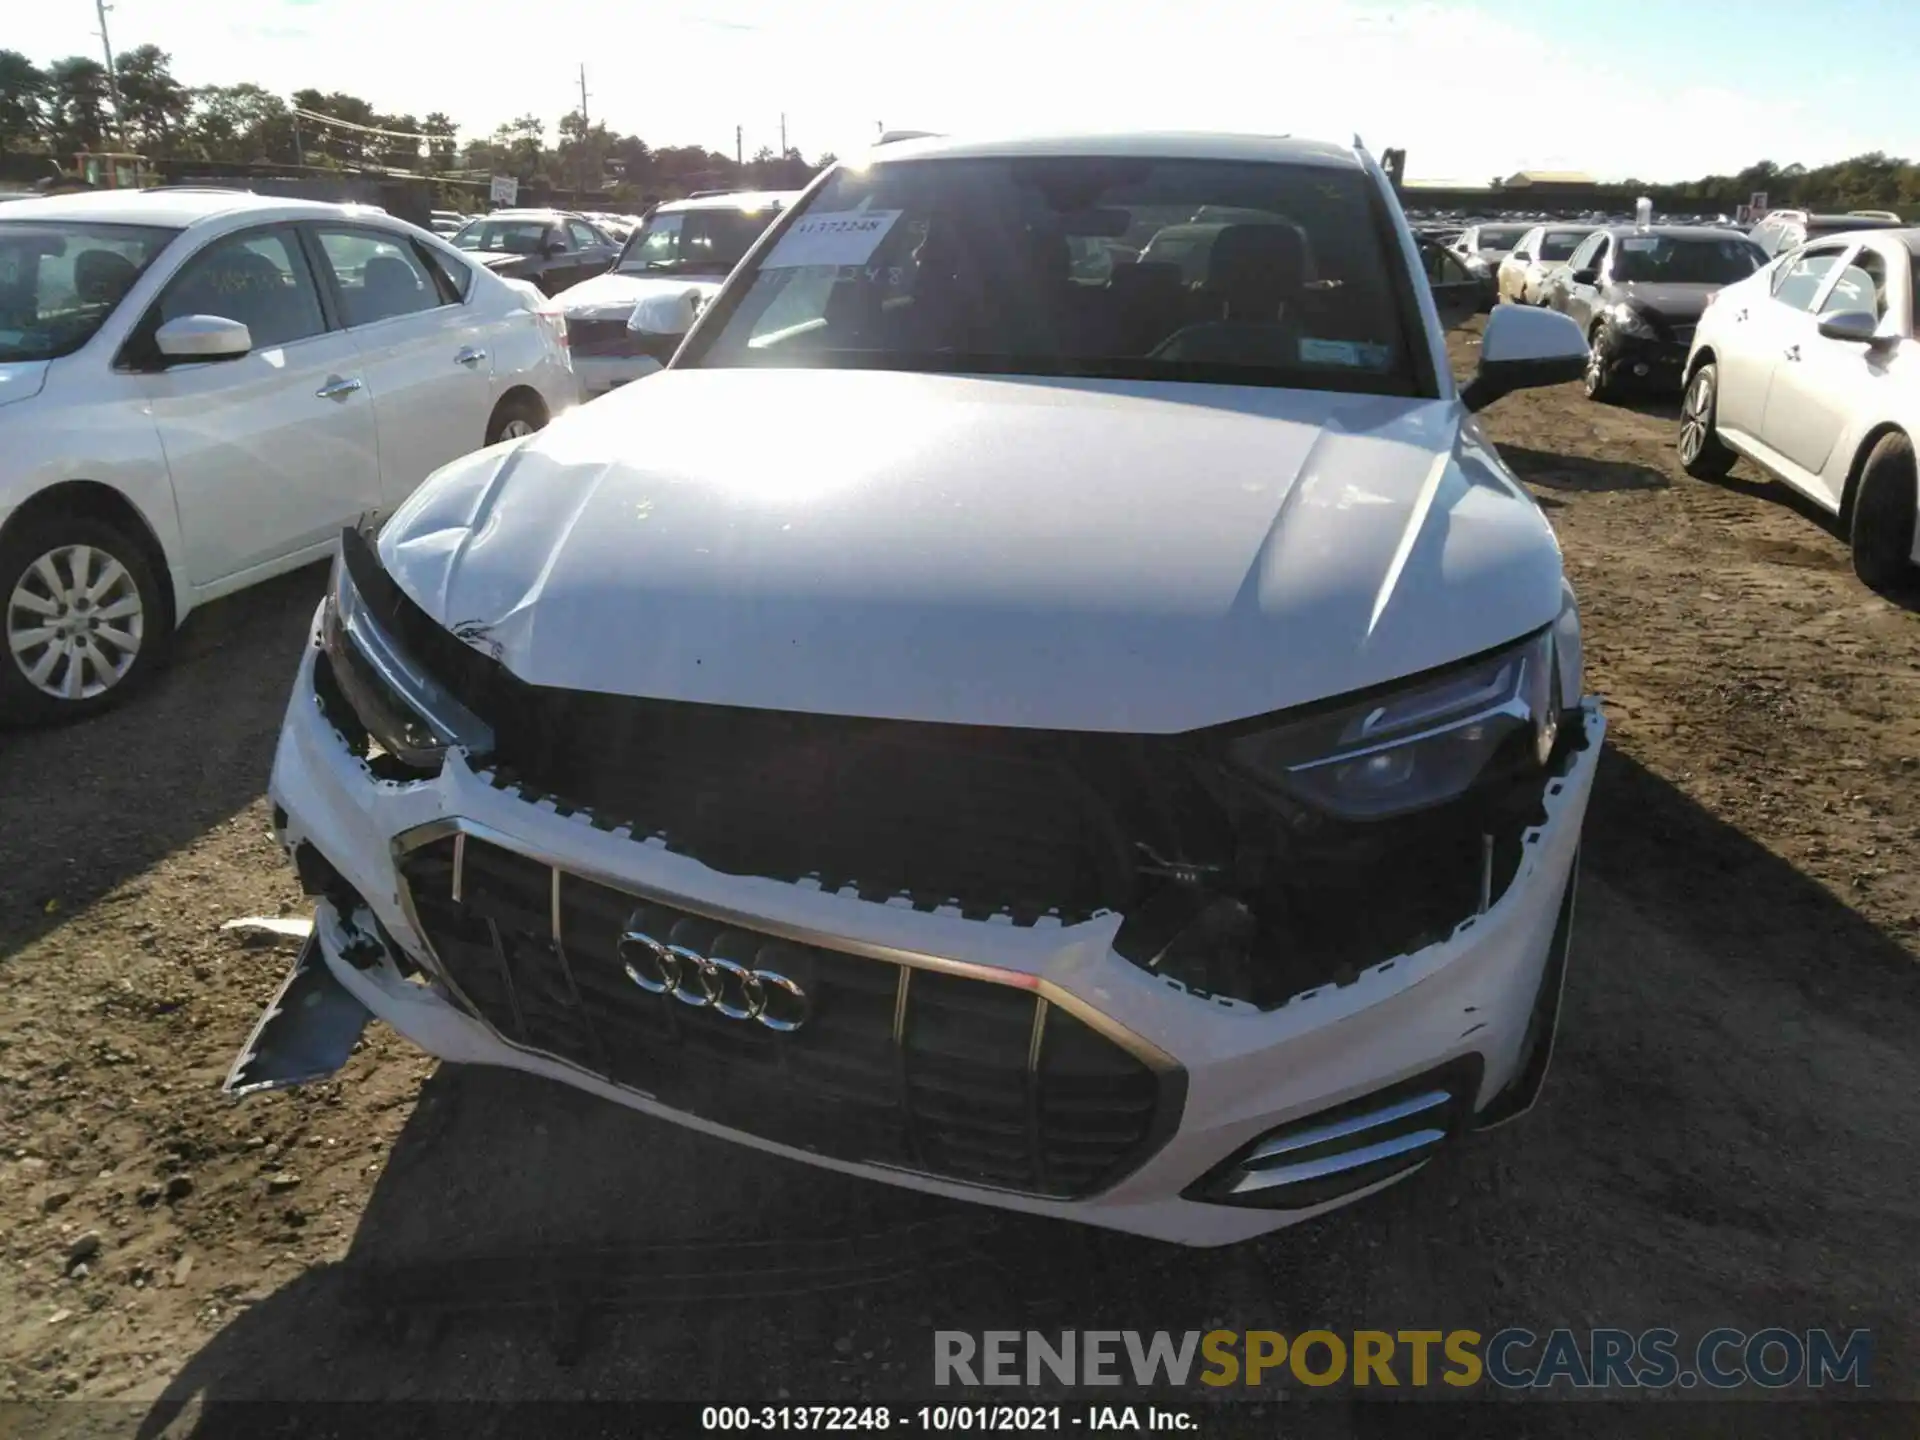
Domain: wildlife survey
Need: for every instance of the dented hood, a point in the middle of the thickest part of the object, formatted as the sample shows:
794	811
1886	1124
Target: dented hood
1083	555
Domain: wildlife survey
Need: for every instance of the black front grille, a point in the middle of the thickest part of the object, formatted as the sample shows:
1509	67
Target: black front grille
601	337
950	1076
611	339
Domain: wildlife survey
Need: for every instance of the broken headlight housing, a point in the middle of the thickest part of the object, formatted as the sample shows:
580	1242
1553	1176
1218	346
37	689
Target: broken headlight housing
1422	742
407	715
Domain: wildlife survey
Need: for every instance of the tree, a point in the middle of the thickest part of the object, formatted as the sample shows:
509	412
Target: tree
77	104
442	148
240	123
23	100
155	106
339	146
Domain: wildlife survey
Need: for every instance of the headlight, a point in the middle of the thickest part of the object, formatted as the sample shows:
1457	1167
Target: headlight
1627	320
1421	744
408	714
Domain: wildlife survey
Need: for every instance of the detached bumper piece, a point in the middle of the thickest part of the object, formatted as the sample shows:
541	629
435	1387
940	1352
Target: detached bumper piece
1339	1152
307	1033
887	1063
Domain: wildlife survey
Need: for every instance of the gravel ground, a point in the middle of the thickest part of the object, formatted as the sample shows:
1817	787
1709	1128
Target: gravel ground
1726	1136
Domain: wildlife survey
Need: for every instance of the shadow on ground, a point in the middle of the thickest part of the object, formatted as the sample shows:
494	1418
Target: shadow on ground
1733	1038
93	804
1558	471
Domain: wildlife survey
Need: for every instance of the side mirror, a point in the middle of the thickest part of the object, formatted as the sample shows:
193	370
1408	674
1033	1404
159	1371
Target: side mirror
1522	348
551	248
666	314
203	337
1854	326
1588	276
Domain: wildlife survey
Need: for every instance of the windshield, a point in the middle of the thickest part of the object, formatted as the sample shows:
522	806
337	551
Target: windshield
1661	259
514	237
1560	244
1499	237
59	281
693	242
995	266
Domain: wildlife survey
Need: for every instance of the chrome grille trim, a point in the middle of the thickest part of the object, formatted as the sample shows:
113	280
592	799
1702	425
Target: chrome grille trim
1268	1179
1345	1129
973	1100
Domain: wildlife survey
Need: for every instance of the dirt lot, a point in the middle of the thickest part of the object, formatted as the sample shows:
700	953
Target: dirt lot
1727	1136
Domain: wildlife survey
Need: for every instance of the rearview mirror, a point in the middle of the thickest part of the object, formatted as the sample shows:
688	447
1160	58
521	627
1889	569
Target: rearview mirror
668	314
203	337
1522	348
1854	326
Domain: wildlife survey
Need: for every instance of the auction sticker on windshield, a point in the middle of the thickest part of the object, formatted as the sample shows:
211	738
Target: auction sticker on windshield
841	237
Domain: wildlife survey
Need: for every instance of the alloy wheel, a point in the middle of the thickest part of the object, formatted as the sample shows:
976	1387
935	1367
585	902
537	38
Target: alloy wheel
516	429
1693	418
75	622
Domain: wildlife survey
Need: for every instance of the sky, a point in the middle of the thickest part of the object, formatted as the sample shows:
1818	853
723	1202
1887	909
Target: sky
1654	89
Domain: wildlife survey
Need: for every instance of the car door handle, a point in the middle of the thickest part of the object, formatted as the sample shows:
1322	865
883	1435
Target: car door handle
337	388
470	356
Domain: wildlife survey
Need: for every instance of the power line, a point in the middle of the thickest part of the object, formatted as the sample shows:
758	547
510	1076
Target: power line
333	120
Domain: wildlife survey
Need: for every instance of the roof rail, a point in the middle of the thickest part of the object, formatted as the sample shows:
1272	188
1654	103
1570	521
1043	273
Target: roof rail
1873	214
707	194
890	136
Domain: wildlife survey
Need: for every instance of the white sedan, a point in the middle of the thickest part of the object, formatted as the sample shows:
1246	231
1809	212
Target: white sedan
200	388
1811	370
1543	252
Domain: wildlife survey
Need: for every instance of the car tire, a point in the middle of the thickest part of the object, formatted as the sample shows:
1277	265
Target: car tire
1703	454
44	679
1598	381
515	418
1880	529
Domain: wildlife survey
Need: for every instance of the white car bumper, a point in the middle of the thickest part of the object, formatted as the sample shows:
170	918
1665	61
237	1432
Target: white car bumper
1229	1073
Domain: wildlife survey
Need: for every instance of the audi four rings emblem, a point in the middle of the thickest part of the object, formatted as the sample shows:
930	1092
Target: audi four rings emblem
708	982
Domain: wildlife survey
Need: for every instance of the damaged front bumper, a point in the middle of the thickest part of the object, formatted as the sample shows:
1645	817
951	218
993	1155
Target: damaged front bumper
487	928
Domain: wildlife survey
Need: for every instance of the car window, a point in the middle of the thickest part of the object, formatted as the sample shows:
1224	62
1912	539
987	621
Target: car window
966	266
512	237
60	280
379	276
1559	244
454	277
582	235
1861	287
1685	259
1800	278
1587	256
260	279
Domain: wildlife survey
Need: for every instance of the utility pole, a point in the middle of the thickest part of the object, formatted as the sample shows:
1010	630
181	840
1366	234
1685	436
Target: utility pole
739	150
584	130
113	80
783	134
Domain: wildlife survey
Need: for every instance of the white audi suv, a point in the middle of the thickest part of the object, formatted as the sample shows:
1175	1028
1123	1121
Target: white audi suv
1117	752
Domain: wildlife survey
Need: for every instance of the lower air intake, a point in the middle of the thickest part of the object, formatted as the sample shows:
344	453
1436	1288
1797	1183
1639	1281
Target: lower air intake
1337	1152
